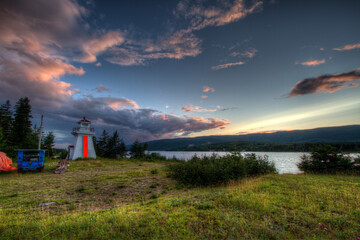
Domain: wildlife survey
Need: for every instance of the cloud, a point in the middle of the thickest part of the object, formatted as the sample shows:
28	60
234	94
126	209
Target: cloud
226	12
35	42
196	109
101	88
227	109
348	47
312	62
204	96
187	109
177	45
250	53
98	64
325	83
36	76
208	89
131	122
227	65
181	43
93	47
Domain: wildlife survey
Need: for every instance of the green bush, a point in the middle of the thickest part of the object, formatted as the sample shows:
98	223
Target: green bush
217	170
326	159
153	157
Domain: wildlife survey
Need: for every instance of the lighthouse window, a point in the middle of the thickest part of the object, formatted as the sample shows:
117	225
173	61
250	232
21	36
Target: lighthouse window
84	124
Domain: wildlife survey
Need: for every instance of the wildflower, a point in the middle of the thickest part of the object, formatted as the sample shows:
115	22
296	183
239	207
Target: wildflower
325	229
220	229
320	224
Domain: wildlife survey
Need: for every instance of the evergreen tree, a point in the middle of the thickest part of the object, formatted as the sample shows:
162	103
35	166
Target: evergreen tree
2	141
112	146
122	149
95	145
137	150
146	147
48	144
22	131
102	144
6	120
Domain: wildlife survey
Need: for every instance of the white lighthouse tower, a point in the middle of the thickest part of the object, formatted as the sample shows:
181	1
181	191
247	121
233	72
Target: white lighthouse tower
83	144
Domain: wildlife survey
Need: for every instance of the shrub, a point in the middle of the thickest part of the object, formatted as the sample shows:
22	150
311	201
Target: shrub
154	171
326	159
217	170
152	157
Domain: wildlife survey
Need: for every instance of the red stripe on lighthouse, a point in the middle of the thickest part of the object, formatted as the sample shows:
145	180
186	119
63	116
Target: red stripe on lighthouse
85	147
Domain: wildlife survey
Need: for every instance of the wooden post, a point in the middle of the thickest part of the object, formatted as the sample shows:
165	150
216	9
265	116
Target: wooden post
40	133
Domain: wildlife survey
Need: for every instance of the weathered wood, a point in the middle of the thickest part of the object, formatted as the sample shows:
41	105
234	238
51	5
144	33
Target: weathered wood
62	166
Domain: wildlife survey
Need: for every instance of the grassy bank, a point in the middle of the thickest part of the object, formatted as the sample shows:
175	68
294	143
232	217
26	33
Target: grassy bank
127	199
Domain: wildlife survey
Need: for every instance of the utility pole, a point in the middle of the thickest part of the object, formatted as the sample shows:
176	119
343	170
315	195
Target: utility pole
40	133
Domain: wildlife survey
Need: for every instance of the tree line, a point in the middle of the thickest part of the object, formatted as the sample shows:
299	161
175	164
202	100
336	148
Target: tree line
17	131
112	146
269	147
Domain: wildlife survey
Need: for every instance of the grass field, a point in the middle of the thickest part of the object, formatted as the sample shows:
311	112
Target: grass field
125	199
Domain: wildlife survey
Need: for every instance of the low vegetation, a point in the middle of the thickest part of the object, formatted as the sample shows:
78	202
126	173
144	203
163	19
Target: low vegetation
218	170
133	199
327	159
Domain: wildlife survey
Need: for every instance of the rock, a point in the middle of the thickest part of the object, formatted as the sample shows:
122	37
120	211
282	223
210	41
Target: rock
47	204
62	166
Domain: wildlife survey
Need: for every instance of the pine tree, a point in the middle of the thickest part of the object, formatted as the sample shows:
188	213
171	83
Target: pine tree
113	146
122	149
2	141
146	147
6	120
137	150
21	134
102	143
48	144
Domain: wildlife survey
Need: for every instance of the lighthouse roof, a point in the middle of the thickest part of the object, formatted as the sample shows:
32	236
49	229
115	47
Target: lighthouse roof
84	120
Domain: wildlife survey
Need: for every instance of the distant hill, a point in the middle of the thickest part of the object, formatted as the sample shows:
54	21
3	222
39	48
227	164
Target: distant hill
349	133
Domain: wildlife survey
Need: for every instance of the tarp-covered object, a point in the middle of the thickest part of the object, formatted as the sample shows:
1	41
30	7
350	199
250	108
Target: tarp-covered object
5	163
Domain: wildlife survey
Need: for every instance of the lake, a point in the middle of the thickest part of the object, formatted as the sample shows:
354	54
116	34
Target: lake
285	162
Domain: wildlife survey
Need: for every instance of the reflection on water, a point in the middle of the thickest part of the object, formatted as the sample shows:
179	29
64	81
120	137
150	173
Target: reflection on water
285	162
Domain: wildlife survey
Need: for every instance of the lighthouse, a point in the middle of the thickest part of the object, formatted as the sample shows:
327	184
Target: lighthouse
83	143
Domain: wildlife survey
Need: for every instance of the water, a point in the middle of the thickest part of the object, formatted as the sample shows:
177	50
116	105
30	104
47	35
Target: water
285	162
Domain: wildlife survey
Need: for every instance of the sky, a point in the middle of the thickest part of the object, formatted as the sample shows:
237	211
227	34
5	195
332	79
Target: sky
166	69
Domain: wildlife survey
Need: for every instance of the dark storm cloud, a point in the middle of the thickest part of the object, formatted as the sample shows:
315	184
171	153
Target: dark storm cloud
325	83
133	123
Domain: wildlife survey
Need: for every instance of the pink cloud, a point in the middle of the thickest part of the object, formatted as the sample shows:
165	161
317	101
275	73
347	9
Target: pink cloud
313	62
348	47
118	103
93	47
227	65
187	109
250	53
196	109
202	17
204	96
208	89
325	83
102	88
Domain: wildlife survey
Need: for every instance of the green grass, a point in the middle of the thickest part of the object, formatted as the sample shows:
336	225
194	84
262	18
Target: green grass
107	199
